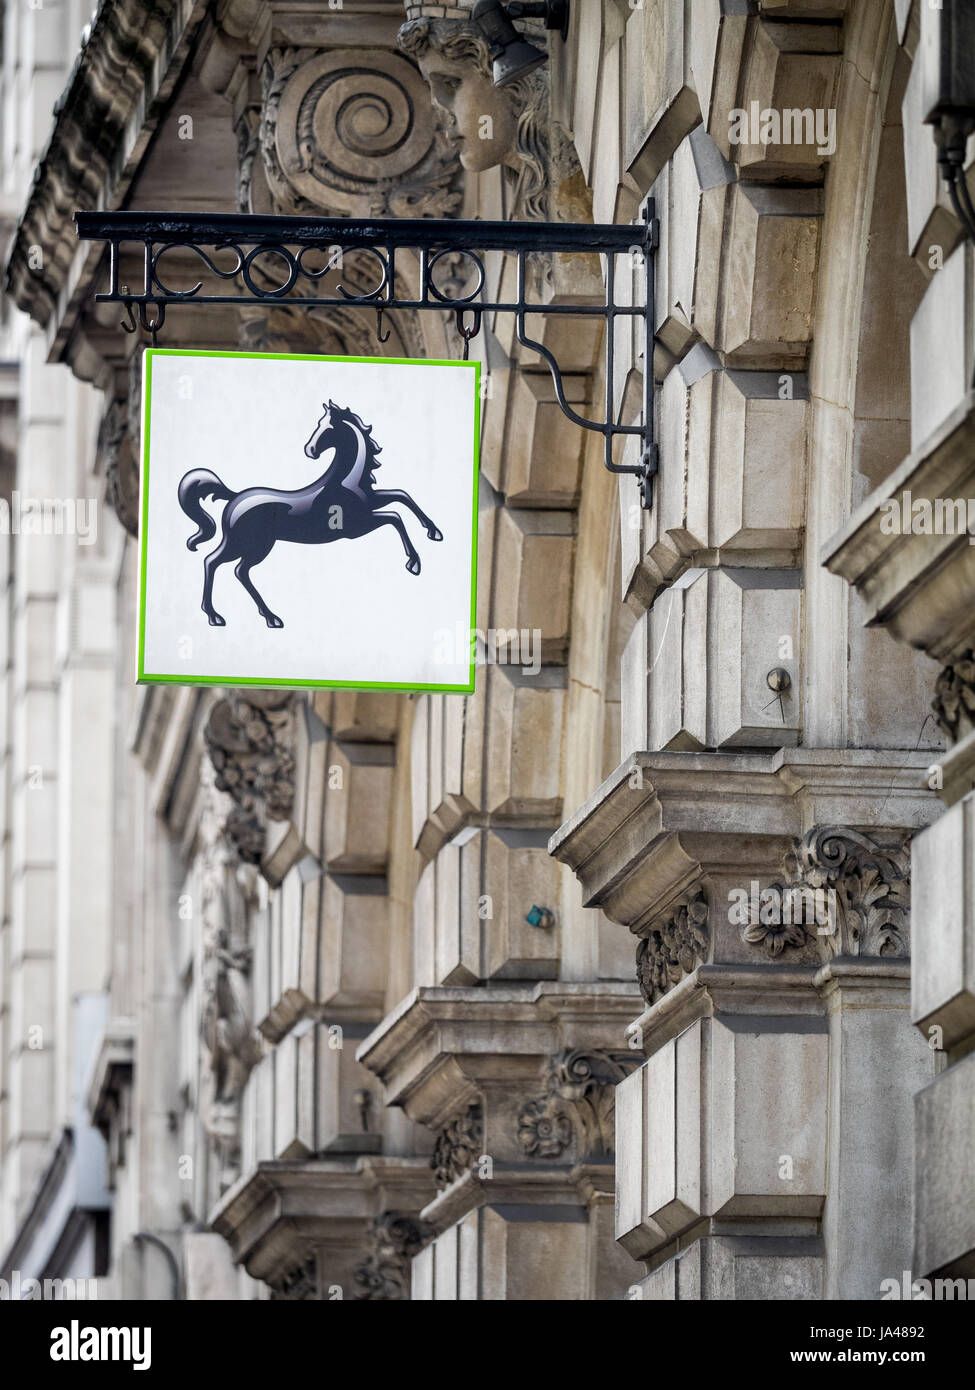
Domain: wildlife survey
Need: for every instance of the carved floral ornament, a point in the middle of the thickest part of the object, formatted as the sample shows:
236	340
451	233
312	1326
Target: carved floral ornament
672	947
250	739
578	1105
396	1237
458	1146
954	697
232	1046
844	894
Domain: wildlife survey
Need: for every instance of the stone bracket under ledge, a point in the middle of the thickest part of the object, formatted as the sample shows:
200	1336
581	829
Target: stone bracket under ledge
275	1216
917	585
661	821
444	1046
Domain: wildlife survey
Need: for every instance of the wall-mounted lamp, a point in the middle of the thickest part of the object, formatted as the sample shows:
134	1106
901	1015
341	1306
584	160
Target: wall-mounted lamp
948	55
513	56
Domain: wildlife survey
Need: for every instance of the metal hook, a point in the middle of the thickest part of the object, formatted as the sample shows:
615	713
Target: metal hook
468	333
152	325
131	326
383	338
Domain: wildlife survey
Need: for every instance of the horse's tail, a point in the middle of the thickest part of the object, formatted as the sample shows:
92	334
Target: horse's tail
193	488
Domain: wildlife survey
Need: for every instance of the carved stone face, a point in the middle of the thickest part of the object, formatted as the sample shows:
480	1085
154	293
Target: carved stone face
482	121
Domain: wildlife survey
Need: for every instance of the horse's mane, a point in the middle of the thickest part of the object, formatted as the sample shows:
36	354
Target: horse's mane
343	413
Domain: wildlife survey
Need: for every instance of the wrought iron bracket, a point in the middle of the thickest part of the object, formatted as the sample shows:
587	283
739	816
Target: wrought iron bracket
251	243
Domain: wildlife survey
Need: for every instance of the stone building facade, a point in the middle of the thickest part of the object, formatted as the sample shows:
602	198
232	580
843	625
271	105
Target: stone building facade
643	971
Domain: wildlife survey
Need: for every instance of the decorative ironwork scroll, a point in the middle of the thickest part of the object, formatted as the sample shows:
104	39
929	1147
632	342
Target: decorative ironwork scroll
270	259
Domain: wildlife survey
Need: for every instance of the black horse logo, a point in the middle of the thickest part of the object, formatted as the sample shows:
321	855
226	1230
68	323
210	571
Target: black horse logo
343	502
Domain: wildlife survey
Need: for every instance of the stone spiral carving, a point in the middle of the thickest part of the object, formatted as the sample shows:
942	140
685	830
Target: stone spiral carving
353	132
865	888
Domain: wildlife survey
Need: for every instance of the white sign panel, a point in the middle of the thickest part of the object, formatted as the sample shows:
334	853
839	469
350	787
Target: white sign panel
308	521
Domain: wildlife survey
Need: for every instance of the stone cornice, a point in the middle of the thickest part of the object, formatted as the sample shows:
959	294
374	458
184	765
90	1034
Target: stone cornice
919	587
664	819
278	1207
442	1042
124	75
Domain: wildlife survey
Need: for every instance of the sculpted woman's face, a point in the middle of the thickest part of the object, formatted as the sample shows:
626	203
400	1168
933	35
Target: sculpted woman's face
469	96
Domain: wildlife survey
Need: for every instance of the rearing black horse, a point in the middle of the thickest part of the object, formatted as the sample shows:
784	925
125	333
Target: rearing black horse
342	503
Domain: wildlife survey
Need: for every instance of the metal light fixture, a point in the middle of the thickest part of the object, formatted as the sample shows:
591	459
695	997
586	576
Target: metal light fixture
512	55
949	90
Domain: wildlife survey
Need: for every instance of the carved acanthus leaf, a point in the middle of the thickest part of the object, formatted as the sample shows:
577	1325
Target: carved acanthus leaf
395	1238
844	894
954	697
458	1146
672	947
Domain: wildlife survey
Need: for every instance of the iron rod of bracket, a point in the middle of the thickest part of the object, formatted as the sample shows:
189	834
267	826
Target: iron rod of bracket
442	233
289	239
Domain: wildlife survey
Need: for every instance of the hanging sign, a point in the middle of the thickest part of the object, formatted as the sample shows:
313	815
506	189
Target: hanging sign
308	521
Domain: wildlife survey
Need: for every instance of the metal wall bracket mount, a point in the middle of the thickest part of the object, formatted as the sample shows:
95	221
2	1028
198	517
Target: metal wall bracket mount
269	259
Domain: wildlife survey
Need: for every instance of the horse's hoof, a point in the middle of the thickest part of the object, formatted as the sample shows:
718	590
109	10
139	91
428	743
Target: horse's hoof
215	620
435	534
413	565
273	620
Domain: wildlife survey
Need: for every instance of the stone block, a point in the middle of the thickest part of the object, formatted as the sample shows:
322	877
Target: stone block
677	645
532	1253
941	346
540	462
531	547
768	277
943	968
768	1118
753	620
519	874
757	470
352	943
757	1088
683	188
660	106
944	1210
356	823
790	72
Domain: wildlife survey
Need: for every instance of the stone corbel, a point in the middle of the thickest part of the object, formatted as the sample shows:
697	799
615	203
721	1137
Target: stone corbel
954	697
458	1146
395	1238
250	738
672	947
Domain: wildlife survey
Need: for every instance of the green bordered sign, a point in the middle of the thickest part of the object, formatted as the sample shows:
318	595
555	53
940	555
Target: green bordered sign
308	521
